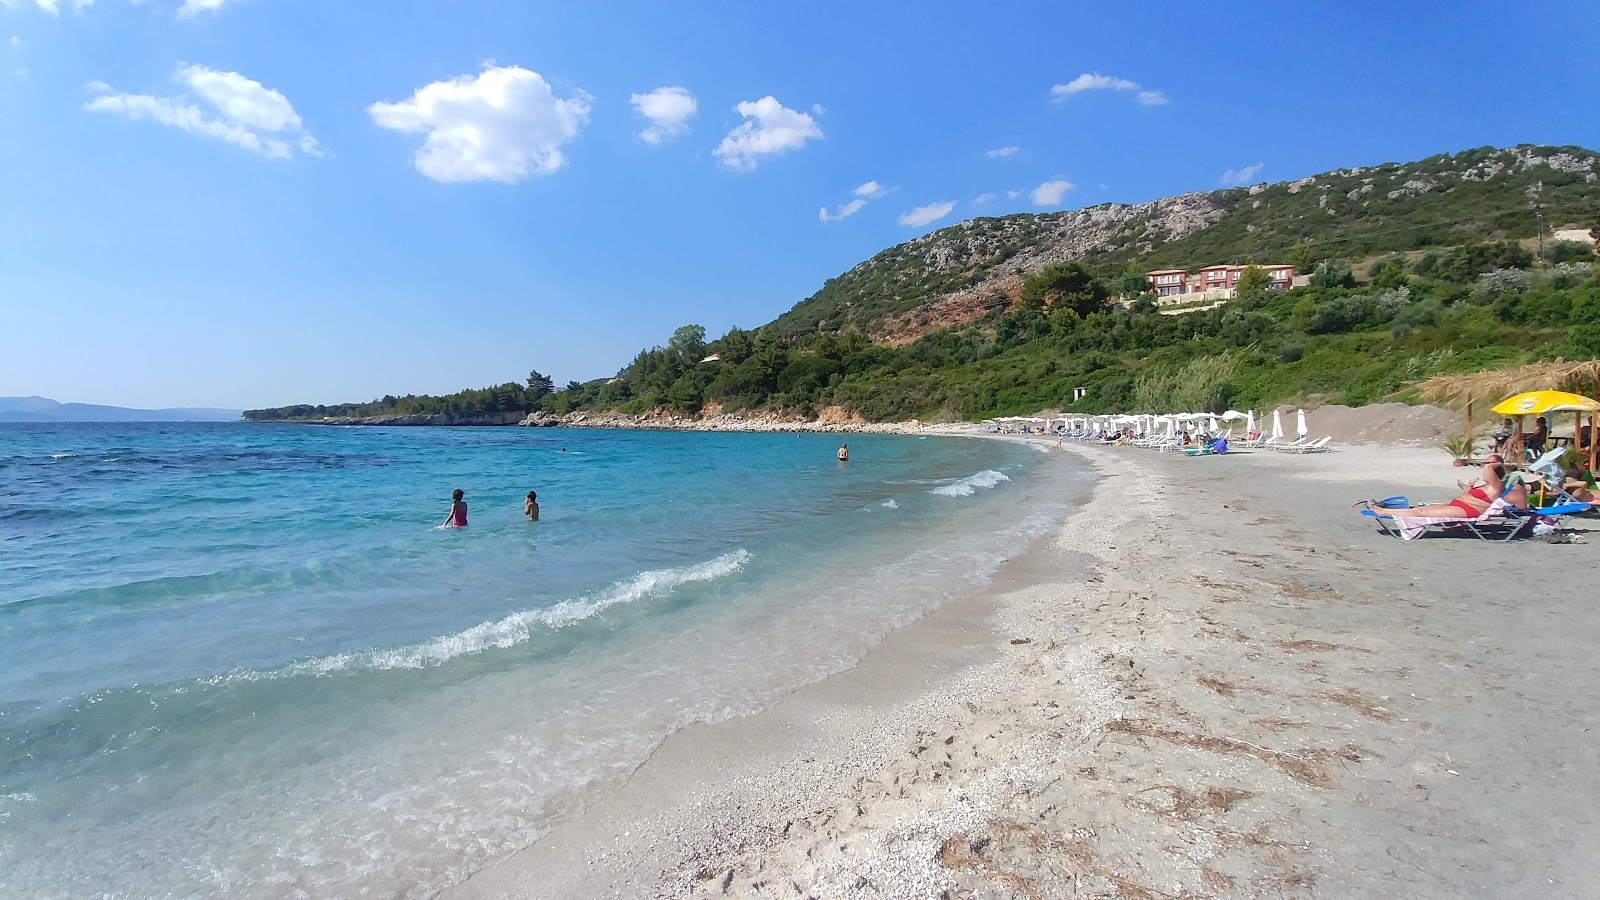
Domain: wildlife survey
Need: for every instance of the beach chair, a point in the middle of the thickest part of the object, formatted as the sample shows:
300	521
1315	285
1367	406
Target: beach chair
1482	526
1320	445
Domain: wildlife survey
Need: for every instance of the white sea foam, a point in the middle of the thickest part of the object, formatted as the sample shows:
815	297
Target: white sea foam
988	478
889	504
509	631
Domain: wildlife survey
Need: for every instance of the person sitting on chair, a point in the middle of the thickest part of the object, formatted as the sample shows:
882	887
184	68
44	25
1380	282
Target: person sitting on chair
1536	440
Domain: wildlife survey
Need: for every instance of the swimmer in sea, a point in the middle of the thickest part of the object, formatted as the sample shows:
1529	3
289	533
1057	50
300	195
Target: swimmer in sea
844	453
458	511
530	506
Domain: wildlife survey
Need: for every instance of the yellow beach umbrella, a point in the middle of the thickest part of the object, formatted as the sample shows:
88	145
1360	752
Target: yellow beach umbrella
1537	403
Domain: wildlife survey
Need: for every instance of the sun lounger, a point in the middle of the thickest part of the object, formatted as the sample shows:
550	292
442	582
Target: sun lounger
1412	527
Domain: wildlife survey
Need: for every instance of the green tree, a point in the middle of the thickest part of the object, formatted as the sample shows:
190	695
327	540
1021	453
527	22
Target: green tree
1069	283
1390	275
1133	283
539	385
1252	279
1301	257
689	343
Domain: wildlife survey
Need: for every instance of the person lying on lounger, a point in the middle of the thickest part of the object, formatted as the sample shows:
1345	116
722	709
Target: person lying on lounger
1478	497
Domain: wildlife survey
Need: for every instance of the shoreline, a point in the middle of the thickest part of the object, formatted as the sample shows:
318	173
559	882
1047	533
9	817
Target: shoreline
1208	682
669	824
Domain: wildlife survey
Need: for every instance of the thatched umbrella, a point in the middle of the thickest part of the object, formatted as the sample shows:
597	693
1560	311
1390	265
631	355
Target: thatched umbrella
1495	384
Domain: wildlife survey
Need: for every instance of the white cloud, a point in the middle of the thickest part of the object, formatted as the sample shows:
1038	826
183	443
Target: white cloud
770	128
503	124
1050	193
192	8
243	112
867	191
817	109
53	7
924	215
1001	152
668	109
843	212
16	42
1094	81
981	199
1012	195
1242	175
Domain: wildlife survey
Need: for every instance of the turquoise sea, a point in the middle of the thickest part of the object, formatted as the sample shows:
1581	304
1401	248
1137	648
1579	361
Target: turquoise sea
241	661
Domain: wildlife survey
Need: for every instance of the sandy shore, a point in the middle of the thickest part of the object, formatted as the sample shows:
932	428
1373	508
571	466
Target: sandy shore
1214	681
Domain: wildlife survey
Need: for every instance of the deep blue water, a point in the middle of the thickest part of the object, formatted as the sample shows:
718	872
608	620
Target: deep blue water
240	660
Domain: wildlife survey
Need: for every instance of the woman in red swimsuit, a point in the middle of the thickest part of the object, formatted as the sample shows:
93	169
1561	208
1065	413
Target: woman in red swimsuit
1477	498
458	511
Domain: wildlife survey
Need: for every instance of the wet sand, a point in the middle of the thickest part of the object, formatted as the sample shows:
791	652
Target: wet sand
1215	680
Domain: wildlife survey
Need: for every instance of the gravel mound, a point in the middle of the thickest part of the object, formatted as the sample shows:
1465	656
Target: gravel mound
1378	423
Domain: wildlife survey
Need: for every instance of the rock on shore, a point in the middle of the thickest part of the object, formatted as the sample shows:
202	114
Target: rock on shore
840	424
501	418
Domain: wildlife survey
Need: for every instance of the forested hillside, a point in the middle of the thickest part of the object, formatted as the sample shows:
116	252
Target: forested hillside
1009	315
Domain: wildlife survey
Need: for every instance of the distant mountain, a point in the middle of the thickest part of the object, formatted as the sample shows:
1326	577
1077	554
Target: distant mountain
43	409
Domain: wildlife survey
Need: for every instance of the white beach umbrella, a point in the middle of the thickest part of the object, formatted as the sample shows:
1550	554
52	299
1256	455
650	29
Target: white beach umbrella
1300	422
1250	422
1277	426
1215	425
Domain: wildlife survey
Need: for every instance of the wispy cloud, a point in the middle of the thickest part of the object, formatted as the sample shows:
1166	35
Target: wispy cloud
1094	81
866	191
769	128
668	109
983	198
1001	152
53	7
243	112
1242	175
924	215
503	124
844	211
192	8
1050	193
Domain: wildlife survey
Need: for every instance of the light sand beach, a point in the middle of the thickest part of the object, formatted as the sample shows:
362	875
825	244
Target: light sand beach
1215	680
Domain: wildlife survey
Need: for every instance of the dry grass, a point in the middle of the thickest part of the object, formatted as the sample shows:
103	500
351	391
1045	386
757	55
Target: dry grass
1309	646
1352	698
959	853
1188	806
1297	591
1215	880
1308	766
1080	854
1277	726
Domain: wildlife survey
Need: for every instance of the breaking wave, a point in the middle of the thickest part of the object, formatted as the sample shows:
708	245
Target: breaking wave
509	631
988	478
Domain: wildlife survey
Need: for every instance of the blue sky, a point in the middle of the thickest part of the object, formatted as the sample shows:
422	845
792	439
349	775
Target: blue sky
257	202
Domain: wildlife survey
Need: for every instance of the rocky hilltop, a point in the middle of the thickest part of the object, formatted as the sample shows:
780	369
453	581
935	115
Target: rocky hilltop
955	275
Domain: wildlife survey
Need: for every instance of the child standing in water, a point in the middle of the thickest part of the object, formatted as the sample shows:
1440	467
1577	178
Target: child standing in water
458	511
530	506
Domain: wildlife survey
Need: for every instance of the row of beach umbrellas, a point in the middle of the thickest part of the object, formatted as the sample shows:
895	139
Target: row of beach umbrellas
1171	423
